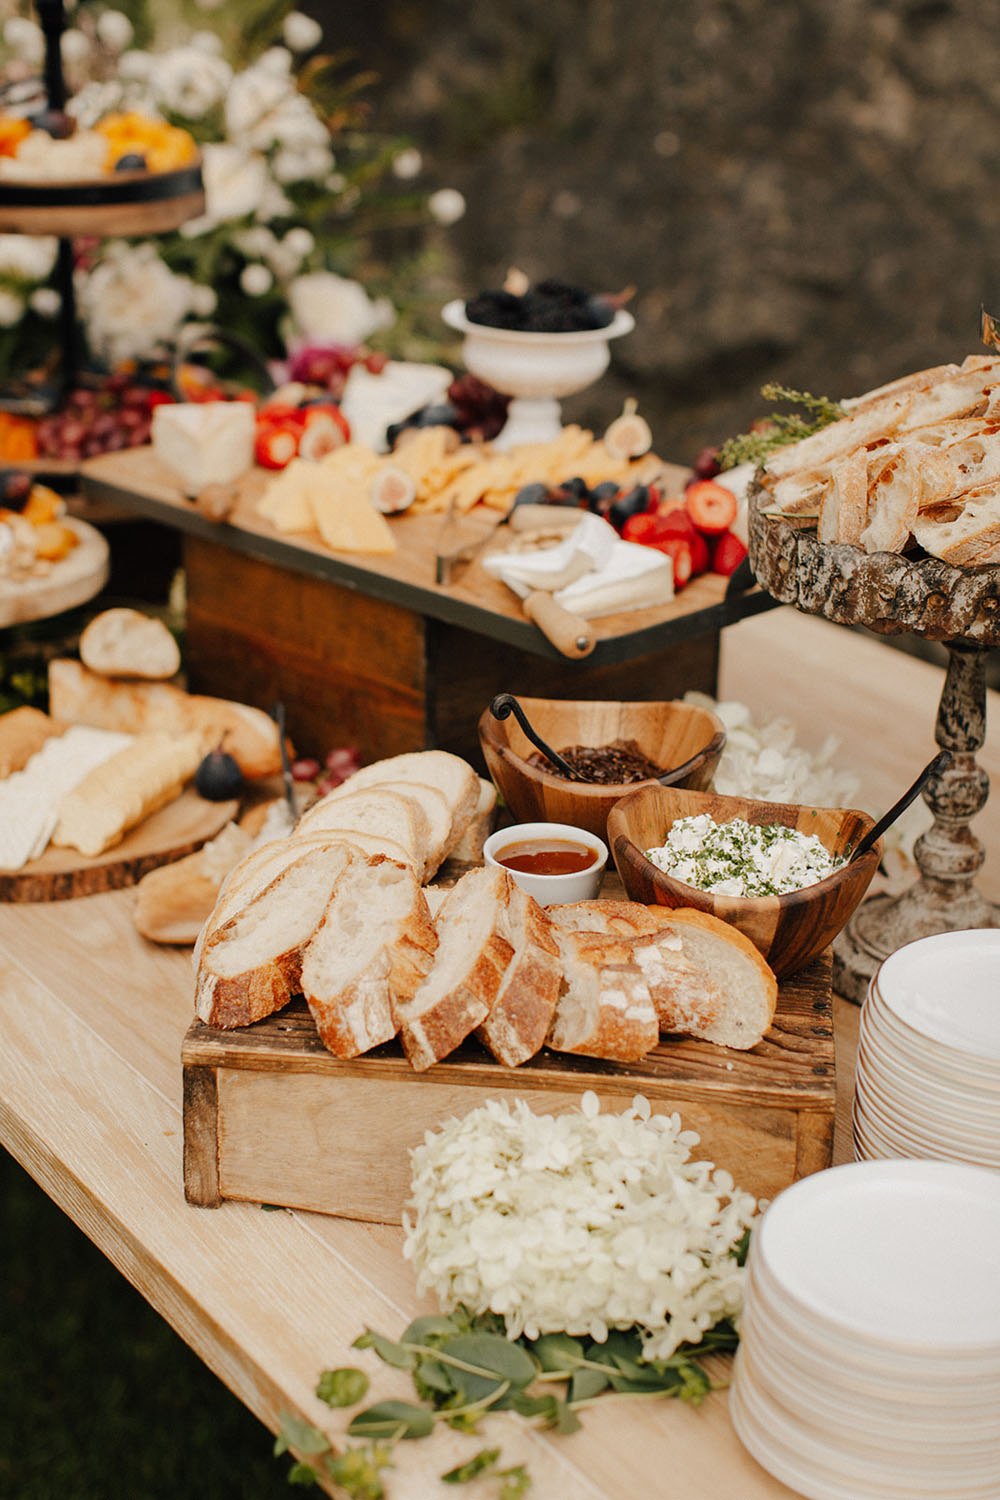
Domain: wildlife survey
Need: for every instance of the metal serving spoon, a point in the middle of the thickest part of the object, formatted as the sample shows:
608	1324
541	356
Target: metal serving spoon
940	762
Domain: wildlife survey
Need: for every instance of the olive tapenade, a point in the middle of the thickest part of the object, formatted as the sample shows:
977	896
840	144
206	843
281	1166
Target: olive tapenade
620	763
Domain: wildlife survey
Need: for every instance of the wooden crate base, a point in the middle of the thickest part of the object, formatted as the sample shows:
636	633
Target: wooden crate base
271	1117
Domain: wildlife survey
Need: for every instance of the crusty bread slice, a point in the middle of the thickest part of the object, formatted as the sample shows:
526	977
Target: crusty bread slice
127	643
964	532
371	950
604	1008
893	499
439	768
468	847
613	918
460	990
249	967
844	510
706	979
373	810
431	810
522	1012
23	732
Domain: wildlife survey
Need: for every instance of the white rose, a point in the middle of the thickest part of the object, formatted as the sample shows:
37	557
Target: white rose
447	205
252	96
25	39
327	306
300	32
407	164
27	257
203	300
309	165
235	182
132	304
136	64
256	243
11	308
114	30
276	60
256	279
190	82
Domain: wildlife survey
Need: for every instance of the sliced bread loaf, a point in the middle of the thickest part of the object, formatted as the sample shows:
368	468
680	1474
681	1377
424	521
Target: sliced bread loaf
460	990
375	811
373	946
707	980
604	1008
249	967
621	918
431	811
468	847
439	768
522	1012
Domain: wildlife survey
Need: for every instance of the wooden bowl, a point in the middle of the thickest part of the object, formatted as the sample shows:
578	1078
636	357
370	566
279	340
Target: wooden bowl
788	930
678	736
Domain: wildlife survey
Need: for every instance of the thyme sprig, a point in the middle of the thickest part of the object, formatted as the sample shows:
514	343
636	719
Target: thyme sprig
780	428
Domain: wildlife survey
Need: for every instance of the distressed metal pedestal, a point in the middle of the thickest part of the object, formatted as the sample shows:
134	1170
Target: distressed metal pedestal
944	897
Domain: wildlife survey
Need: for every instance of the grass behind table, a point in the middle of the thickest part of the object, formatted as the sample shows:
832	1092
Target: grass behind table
99	1398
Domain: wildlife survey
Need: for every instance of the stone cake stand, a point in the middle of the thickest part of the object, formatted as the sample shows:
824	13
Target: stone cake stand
895	595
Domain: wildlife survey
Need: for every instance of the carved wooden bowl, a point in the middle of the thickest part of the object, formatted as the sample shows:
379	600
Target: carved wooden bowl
788	930
889	592
677	736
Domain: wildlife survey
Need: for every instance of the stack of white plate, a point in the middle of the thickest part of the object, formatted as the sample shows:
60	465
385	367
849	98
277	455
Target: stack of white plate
928	1074
869	1359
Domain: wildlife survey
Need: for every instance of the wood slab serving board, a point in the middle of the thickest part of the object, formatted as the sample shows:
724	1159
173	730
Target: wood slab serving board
175	830
72	580
271	1117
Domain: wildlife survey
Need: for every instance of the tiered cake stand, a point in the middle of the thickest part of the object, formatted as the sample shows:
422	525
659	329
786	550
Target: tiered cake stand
894	595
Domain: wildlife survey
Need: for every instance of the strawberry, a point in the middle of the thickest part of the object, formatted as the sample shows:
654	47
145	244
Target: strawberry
711	506
700	557
641	528
678	549
276	444
727	554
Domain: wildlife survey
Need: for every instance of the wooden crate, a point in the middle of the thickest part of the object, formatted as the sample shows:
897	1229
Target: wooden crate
271	1117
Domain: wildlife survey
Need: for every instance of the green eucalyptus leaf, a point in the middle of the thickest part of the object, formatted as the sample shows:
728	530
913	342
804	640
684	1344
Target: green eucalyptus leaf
621	1343
303	1474
557	1351
392	1419
434	1326
567	1420
432	1379
391	1353
491	1354
535	1406
343	1387
303	1436
485	1459
587	1383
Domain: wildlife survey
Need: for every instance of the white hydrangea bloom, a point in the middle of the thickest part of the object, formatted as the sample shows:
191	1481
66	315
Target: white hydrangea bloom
256	279
407	163
189	81
27	257
114	30
11	307
132	302
25	39
300	32
446	206
577	1223
45	301
327	306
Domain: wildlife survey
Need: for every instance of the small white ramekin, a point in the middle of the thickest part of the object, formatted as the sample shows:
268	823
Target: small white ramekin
552	890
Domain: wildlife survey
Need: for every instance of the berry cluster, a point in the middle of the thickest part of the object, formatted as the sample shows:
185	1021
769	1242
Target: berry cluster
548	307
473	408
117	413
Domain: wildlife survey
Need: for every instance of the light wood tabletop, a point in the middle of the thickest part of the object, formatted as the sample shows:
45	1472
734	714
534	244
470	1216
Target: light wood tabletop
90	1103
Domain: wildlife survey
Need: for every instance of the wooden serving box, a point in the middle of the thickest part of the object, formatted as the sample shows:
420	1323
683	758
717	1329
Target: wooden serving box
271	1117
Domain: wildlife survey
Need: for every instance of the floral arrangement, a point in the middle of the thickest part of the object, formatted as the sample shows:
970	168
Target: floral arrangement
298	187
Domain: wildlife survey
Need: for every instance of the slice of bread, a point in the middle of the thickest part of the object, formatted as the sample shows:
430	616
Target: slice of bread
439	768
604	1008
250	966
613	918
127	643
472	957
373	947
522	1012
23	732
964	532
431	811
468	847
375	811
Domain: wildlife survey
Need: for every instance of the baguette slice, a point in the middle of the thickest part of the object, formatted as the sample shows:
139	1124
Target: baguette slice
431	811
472	957
373	947
83	697
376	811
439	768
468	847
964	532
522	1012
613	918
127	643
250	966
604	1009
23	732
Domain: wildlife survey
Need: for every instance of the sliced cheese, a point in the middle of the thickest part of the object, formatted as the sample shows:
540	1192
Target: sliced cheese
116	795
286	501
209	442
348	522
29	799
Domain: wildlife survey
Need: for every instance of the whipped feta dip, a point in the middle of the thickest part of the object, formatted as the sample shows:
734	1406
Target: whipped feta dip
742	859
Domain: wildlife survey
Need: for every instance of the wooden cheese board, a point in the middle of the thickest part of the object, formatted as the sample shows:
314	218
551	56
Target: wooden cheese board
71	581
124	204
179	828
271	1117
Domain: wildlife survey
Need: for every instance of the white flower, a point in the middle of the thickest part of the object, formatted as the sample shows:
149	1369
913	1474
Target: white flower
234	180
27	257
74	46
132	303
114	30
300	32
252	96
11	308
256	279
273	203
327	306
135	64
290	165
206	41
447	205
45	301
299	242
189	81
408	163
203	300
277	61
25	39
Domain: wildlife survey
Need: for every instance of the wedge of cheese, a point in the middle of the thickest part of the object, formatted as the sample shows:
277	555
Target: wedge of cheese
348	522
204	442
30	798
146	775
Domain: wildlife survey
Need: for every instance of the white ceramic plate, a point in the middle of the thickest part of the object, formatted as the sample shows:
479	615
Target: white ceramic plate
946	986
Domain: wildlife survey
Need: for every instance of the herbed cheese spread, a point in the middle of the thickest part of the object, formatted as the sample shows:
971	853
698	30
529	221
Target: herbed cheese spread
742	859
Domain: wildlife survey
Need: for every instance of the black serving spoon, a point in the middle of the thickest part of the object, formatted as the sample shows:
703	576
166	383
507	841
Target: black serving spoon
940	762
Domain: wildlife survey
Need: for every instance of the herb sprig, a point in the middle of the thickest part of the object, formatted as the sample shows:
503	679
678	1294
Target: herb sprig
780	428
464	1366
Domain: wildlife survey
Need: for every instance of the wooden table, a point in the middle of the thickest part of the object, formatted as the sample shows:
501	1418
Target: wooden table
370	650
92	1019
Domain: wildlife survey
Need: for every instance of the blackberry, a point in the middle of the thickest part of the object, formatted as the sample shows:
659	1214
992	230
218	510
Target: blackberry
495	309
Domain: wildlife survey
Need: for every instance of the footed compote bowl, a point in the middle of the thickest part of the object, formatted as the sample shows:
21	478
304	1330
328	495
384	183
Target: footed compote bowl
535	369
892	594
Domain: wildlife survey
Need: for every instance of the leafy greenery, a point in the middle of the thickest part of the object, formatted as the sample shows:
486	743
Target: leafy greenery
781	428
463	1366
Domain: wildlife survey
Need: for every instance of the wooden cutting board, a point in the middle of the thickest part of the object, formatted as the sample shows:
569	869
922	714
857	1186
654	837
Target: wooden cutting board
175	830
271	1117
73	580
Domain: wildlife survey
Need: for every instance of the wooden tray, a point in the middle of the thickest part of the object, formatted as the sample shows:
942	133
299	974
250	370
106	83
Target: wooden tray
271	1117
175	830
73	580
125	203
